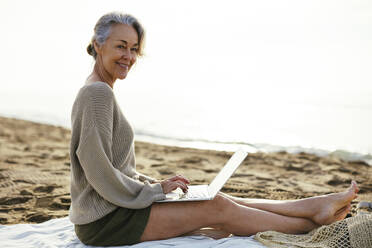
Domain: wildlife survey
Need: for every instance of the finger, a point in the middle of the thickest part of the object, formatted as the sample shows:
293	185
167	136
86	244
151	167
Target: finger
182	186
180	178
169	188
175	178
174	186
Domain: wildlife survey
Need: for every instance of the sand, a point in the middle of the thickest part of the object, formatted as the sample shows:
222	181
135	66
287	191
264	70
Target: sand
35	172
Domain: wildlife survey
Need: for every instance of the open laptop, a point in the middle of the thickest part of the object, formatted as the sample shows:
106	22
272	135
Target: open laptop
208	192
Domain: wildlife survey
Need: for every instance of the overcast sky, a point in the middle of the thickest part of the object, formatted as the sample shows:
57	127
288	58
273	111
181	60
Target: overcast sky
264	52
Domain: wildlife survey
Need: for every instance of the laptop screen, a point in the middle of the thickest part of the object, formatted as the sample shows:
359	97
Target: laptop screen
226	172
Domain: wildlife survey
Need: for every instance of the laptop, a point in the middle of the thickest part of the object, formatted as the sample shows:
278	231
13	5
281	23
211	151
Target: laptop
208	192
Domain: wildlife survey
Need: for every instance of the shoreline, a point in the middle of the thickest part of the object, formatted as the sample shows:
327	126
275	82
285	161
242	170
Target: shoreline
35	166
347	155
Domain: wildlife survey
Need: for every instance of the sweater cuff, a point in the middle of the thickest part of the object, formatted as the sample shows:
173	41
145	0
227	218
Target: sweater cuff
144	178
157	189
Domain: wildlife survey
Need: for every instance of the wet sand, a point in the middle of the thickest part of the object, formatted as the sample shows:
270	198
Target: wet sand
35	172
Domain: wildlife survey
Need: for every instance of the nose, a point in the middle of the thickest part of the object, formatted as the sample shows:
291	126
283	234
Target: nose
127	54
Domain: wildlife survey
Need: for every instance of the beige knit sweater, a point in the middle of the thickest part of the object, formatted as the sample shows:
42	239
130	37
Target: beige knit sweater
103	167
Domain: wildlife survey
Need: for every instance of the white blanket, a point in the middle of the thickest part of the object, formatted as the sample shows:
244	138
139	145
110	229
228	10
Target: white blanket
60	233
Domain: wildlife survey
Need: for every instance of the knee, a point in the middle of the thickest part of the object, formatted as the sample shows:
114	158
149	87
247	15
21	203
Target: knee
221	204
219	209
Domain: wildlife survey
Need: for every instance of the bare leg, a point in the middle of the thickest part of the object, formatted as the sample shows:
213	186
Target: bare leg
174	219
320	209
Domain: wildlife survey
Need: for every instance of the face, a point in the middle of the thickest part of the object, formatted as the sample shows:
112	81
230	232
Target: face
119	52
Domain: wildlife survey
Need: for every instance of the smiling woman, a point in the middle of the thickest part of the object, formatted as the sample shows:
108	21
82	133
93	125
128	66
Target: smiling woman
108	197
117	42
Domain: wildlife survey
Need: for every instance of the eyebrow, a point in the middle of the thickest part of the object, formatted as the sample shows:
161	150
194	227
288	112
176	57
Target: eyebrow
124	41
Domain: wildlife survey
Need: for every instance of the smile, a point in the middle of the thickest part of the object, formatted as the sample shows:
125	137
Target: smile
124	66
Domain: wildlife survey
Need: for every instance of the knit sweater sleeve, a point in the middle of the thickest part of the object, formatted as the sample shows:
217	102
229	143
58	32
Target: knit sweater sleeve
132	172
95	156
143	178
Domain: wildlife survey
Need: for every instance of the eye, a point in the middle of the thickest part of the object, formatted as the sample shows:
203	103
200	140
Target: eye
120	46
134	49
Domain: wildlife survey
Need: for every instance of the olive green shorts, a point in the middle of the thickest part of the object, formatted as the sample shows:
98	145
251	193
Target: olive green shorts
121	227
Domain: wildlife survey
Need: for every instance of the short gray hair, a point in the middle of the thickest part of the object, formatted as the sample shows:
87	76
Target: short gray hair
103	27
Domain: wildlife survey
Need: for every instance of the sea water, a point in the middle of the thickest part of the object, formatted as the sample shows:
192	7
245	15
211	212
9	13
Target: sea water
207	120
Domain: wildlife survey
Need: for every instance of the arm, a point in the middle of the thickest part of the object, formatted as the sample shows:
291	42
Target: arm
144	178
95	153
108	181
131	171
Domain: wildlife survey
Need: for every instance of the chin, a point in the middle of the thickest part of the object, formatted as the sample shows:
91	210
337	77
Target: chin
121	77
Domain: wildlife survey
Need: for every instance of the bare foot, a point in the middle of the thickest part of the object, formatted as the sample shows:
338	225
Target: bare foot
334	207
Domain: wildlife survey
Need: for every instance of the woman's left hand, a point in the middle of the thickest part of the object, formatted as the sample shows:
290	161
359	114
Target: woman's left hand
173	183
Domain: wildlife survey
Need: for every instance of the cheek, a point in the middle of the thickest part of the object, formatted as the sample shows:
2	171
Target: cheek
109	61
133	61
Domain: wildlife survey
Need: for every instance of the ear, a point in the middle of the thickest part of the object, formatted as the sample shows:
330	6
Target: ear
97	47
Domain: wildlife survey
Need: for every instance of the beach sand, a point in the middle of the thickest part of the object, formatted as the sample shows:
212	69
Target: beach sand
35	172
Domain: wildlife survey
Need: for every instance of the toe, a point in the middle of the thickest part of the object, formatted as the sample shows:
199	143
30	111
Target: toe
354	187
351	193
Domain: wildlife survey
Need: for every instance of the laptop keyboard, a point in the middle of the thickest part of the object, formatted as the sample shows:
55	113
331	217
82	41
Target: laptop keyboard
194	194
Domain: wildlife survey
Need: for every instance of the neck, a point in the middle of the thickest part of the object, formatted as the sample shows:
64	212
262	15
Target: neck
99	73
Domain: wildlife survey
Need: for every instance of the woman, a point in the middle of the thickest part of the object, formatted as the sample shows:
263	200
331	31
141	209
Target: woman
113	204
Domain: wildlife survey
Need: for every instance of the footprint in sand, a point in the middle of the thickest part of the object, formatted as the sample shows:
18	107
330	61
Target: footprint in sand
14	200
37	217
43	202
2	177
22	181
59	205
25	192
44	156
5	210
165	171
51	203
365	188
58	173
19	209
210	170
194	160
3	220
199	181
292	167
60	156
10	161
32	164
65	200
264	179
157	165
242	175
335	181
340	169
45	189
156	158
